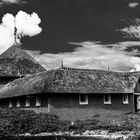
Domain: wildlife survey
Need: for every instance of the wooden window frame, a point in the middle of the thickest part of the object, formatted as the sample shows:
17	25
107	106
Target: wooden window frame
10	103
109	99
27	102
38	101
18	102
86	99
127	99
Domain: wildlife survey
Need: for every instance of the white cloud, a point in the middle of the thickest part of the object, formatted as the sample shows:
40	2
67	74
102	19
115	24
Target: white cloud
132	31
136	68
26	25
12	1
6	32
133	4
136	62
93	55
8	22
121	46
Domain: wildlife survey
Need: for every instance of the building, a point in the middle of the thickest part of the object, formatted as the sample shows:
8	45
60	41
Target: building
74	93
16	63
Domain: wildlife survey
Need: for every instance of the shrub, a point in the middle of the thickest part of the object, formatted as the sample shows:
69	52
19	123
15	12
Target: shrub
126	124
46	122
4	126
15	121
65	125
20	121
104	124
89	124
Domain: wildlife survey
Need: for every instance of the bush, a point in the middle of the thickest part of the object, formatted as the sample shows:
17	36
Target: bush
46	123
126	124
4	126
20	121
15	121
84	125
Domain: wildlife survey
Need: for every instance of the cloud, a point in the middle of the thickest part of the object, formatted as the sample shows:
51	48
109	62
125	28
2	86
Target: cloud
27	25
92	55
12	1
121	46
136	68
133	4
6	32
136	62
132	31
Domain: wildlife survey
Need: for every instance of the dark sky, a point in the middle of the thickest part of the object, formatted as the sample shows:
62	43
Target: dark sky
66	21
104	32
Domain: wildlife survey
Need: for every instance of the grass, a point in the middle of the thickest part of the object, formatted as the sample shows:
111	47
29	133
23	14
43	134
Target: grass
33	123
111	123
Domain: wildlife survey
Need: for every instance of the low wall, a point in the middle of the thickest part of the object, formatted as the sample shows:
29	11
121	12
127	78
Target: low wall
68	107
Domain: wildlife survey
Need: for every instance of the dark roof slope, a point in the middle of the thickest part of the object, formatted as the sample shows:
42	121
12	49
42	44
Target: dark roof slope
69	80
15	61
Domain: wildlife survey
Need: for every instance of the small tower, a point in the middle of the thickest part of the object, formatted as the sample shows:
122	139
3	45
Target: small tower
108	68
15	33
62	64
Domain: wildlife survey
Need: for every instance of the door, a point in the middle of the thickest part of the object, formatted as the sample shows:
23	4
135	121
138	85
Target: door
138	103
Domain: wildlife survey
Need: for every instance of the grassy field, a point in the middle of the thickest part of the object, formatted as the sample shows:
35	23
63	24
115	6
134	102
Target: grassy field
29	122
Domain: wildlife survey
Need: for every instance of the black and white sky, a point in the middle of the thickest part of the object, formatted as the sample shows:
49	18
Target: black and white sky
90	34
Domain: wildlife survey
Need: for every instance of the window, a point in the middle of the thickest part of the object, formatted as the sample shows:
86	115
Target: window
38	100
107	99
18	102
125	99
27	101
10	103
83	99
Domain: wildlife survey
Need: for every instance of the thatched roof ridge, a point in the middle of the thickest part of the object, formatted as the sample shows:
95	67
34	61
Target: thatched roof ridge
69	80
17	62
100	71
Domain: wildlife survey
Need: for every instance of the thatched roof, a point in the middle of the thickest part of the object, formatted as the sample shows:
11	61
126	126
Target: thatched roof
68	80
17	62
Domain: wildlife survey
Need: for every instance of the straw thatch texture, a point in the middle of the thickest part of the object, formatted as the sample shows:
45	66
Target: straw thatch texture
17	62
68	80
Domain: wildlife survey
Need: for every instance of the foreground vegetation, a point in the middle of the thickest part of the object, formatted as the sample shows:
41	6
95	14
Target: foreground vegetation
15	122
